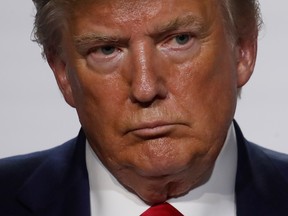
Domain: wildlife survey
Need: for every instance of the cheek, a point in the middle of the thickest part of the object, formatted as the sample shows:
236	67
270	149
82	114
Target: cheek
100	109
207	89
99	99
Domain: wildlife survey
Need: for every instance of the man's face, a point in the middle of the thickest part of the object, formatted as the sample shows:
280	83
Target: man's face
155	87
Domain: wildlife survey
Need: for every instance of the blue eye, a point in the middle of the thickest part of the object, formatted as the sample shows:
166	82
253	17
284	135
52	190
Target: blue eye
108	50
182	39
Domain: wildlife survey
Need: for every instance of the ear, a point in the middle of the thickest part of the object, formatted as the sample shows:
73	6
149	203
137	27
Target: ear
246	58
59	68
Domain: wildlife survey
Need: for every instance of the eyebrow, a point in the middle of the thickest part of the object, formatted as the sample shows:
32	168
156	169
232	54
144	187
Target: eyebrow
189	20
84	41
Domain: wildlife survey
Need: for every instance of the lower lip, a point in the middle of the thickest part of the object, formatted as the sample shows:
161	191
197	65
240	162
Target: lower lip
154	132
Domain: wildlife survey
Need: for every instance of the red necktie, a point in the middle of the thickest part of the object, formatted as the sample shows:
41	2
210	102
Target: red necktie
164	209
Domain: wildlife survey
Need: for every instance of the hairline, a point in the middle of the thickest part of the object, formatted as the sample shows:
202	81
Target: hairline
65	13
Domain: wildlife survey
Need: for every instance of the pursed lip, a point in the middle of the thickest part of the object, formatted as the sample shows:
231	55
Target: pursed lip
152	129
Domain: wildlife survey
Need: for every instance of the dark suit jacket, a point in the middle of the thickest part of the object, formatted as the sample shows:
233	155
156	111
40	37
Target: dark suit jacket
55	182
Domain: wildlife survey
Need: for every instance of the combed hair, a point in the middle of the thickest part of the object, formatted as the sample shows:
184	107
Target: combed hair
50	22
242	18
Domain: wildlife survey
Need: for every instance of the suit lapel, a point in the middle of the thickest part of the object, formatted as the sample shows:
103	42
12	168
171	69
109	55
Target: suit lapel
260	188
60	186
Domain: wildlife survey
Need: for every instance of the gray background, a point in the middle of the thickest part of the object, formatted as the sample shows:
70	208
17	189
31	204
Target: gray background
34	116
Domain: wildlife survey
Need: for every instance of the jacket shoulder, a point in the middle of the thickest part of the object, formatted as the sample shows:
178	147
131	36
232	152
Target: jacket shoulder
15	170
47	182
261	181
278	161
33	159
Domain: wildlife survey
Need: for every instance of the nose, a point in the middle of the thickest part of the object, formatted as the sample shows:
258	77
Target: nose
148	81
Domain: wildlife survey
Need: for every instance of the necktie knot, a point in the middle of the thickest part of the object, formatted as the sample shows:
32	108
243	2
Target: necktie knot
164	209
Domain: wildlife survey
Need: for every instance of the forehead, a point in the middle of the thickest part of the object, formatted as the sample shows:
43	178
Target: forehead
136	11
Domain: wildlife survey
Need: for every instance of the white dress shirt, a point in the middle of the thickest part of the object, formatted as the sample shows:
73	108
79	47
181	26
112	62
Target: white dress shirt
214	198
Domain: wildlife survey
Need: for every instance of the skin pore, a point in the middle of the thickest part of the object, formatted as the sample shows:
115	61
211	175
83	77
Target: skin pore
155	91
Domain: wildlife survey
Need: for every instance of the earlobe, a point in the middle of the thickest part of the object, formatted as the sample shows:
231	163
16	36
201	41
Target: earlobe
246	57
59	68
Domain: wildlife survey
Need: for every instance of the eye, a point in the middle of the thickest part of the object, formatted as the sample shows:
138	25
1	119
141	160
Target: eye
179	46
182	39
103	52
107	50
104	56
177	42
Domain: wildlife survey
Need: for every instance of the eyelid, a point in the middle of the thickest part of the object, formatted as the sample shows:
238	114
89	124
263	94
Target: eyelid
173	36
84	44
169	35
99	47
98	57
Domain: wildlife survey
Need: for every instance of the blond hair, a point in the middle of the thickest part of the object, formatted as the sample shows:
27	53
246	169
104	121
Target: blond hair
242	18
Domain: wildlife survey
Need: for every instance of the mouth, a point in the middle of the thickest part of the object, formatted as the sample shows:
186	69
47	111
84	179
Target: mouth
153	130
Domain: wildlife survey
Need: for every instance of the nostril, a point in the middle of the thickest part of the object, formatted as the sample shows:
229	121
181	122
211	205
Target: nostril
147	103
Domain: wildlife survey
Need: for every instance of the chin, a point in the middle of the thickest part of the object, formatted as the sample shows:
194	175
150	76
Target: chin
162	167
161	192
